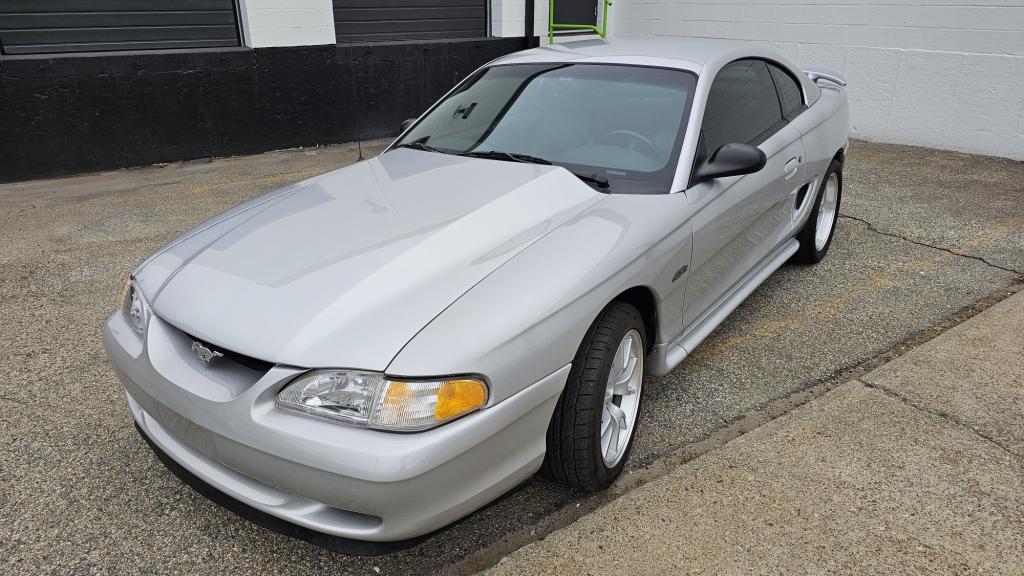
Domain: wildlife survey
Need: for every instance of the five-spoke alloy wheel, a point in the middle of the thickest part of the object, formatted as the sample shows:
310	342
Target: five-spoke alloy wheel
622	398
595	420
816	235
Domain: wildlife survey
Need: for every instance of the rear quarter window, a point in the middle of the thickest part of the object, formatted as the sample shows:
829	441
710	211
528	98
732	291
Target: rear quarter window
790	95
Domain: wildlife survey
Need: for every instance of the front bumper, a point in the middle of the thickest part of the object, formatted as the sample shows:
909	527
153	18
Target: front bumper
219	423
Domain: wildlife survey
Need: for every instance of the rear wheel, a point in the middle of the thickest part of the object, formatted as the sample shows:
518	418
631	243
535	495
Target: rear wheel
816	235
591	431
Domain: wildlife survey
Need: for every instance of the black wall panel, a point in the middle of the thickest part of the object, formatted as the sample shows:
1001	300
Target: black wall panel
383	20
56	26
72	114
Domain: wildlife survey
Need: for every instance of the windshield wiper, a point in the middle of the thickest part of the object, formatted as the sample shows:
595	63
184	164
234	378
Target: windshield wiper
420	146
513	156
595	179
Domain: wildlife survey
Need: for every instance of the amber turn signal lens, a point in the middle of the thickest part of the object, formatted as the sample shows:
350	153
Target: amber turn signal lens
371	400
458	397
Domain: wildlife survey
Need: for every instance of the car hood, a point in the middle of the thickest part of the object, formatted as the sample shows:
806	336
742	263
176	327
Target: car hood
344	270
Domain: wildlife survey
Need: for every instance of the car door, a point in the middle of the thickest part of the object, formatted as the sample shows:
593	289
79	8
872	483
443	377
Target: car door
793	193
737	220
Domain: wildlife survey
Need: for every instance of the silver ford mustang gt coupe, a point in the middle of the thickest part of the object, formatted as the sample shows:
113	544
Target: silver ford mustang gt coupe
378	351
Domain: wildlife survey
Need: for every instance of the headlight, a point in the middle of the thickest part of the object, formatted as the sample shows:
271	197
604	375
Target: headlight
371	400
133	307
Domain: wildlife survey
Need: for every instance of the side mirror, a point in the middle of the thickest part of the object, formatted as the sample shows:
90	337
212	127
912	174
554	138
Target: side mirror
407	123
731	160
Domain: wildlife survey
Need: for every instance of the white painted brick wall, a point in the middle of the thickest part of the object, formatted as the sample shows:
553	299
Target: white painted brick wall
940	73
268	23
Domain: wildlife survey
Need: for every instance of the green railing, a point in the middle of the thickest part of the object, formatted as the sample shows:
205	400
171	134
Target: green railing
601	30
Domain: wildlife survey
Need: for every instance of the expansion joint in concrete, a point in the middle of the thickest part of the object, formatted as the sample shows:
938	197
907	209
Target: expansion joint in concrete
947	417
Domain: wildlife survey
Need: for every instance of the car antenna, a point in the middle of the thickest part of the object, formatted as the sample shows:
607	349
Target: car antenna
355	106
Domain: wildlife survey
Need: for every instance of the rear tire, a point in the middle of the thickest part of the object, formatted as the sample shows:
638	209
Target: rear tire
592	429
816	235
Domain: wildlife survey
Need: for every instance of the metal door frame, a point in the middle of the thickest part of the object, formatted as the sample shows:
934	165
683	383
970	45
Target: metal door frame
601	30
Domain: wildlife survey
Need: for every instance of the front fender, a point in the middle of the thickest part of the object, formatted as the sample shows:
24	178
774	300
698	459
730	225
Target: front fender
528	318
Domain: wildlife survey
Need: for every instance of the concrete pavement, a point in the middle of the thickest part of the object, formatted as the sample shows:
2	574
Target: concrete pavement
915	468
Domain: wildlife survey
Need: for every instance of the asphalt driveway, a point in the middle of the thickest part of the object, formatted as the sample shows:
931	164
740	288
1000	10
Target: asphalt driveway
927	238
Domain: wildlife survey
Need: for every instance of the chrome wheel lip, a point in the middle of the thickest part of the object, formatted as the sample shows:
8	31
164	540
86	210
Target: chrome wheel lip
621	398
826	212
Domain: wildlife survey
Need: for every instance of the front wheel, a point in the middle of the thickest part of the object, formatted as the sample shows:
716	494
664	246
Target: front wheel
591	431
816	235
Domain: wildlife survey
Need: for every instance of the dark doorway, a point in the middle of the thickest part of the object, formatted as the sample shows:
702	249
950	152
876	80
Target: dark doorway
575	12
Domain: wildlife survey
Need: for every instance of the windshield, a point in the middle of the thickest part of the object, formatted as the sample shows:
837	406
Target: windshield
614	125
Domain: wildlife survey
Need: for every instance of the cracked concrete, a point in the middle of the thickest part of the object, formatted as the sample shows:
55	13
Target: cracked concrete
976	202
971	375
874	229
944	415
905	471
80	491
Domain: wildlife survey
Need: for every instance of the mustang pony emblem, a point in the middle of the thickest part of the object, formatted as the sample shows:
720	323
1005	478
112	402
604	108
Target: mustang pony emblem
205	354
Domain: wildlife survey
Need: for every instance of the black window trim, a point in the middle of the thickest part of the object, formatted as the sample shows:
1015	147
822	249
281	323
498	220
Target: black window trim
769	132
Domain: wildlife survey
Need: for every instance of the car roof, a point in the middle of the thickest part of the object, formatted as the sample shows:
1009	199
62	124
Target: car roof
684	53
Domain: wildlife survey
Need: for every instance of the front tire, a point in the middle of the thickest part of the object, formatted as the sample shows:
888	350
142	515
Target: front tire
592	429
816	235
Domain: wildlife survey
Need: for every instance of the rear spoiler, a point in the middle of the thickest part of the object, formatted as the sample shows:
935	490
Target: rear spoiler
816	74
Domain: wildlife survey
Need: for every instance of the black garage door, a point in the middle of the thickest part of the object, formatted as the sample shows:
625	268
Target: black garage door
383	20
52	26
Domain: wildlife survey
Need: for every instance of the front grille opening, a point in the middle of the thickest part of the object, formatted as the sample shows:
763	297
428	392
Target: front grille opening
249	362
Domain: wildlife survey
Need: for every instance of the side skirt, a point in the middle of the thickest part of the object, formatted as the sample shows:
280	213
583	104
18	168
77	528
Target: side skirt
664	358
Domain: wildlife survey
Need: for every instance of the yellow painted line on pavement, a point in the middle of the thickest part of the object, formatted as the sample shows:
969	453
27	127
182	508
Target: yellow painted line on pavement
816	311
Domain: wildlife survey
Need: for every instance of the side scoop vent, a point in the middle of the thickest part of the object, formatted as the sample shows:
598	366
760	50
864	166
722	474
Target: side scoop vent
801	195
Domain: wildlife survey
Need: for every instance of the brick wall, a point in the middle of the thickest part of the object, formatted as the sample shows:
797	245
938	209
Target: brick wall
940	73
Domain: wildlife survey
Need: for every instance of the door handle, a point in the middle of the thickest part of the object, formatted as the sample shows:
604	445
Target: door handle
791	167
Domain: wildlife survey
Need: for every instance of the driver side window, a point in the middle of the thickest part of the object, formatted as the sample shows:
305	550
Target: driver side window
742	106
